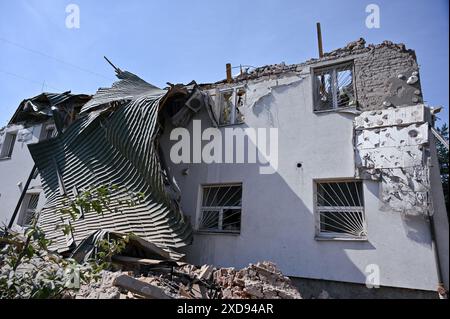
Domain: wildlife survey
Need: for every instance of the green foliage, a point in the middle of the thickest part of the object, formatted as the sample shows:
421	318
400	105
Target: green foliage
106	249
28	269
443	162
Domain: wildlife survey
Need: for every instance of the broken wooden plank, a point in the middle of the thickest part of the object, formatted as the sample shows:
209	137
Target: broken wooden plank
140	288
143	261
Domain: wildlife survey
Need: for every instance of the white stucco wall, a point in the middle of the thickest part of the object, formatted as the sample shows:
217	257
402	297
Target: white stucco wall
440	217
14	171
278	222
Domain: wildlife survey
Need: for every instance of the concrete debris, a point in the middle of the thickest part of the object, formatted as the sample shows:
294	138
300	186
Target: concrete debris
377	79
257	281
141	287
101	289
260	281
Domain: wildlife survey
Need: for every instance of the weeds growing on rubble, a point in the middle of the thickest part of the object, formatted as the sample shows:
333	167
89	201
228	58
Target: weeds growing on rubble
29	269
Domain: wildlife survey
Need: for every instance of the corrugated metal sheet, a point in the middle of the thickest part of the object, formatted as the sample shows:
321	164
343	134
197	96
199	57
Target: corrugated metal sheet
39	107
113	142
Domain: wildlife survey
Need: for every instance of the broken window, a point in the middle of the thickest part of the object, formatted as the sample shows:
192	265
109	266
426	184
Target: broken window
221	208
230	103
340	209
50	132
29	209
334	87
8	145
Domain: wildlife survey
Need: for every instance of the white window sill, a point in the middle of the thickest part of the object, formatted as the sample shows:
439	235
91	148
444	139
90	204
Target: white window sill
216	232
228	125
5	158
339	238
339	109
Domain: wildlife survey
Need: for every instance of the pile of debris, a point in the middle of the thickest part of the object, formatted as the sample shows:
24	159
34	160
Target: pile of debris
260	281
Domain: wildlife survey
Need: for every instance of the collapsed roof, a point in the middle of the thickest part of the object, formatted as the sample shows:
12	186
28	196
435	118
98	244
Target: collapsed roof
115	142
46	105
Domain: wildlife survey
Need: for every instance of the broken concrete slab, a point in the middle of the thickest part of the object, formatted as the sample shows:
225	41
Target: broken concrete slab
141	288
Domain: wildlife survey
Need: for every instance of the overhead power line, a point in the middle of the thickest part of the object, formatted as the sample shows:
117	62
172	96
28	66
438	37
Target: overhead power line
30	80
53	58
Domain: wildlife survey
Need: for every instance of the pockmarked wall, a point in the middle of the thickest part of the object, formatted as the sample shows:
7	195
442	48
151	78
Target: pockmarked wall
278	221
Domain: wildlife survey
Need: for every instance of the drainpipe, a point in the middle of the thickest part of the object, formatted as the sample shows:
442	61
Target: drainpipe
440	288
443	294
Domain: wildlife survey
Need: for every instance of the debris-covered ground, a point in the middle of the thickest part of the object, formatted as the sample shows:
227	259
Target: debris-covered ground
118	266
257	281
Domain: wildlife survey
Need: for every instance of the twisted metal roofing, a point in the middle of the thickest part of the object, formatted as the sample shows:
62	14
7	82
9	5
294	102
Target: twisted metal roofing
113	142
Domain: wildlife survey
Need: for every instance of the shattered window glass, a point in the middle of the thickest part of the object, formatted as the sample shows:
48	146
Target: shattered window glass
231	102
50	133
227	107
334	87
221	208
340	209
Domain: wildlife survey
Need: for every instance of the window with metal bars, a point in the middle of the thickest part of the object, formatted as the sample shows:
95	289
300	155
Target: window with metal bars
221	208
340	209
31	201
334	87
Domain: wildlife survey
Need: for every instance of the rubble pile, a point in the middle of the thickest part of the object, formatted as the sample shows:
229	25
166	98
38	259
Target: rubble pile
260	281
355	47
257	281
103	288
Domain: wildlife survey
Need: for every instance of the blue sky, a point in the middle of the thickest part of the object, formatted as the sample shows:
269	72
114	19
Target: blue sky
178	41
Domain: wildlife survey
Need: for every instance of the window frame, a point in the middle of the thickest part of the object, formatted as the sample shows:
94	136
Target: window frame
46	128
235	108
321	235
333	66
8	145
49	131
220	210
26	210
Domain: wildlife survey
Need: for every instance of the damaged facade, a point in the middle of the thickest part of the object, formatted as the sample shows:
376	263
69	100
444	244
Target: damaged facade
356	184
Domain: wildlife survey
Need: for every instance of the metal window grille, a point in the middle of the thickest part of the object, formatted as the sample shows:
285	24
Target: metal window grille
340	209
334	87
221	208
30	210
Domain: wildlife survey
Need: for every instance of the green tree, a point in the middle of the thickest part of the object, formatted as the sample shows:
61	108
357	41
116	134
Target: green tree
29	269
442	152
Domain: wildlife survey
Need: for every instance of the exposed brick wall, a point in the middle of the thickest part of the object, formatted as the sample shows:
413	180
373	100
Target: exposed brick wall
377	70
377	78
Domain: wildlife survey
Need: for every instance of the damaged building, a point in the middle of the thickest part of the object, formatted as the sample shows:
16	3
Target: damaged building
355	192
